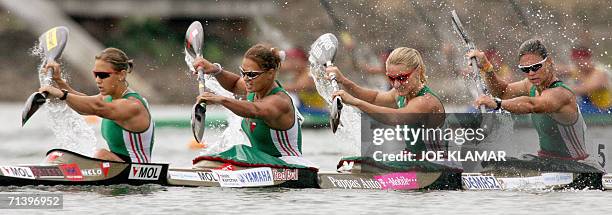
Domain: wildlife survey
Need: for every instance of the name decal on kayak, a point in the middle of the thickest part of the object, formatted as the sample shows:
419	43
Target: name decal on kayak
245	178
47	172
351	183
480	182
145	172
17	172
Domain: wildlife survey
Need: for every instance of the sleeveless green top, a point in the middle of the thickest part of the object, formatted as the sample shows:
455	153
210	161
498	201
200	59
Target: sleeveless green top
421	145
135	145
274	142
558	139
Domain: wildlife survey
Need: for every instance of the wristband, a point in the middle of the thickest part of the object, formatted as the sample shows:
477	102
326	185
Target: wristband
219	69
498	101
65	95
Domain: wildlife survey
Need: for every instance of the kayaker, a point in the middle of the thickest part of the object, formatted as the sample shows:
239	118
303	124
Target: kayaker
409	102
271	120
556	117
127	126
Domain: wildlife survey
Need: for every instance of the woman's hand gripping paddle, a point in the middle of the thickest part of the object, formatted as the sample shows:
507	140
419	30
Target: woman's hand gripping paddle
323	52
194	39
52	44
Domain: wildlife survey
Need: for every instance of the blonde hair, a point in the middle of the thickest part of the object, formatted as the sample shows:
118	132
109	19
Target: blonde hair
410	58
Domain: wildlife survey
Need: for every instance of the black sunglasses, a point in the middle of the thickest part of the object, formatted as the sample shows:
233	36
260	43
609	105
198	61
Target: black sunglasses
250	74
101	75
534	67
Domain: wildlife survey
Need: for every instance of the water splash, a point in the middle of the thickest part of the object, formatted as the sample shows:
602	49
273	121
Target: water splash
349	131
233	134
69	128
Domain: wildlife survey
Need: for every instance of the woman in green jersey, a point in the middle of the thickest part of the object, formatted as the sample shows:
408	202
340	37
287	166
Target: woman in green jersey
127	126
409	102
271	120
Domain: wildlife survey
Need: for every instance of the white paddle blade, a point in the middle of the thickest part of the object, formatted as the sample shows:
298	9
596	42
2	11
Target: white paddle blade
53	42
323	50
194	39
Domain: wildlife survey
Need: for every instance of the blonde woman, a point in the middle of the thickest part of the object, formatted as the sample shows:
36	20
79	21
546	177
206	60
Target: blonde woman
409	102
127	126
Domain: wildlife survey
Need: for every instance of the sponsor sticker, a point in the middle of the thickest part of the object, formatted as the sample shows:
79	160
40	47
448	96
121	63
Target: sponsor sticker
557	178
285	174
607	181
52	38
47	172
226	167
398	181
245	178
71	171
92	172
105	166
480	182
145	172
181	175
208	177
17	172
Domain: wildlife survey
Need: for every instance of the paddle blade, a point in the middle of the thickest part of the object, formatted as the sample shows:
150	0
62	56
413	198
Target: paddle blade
323	50
198	121
53	42
194	38
31	106
334	115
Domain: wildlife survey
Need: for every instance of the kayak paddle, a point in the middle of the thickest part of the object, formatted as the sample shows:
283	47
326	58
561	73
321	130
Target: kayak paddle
194	39
52	44
459	29
323	52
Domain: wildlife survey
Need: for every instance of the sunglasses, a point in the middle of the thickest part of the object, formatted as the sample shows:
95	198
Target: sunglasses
533	67
101	75
250	74
401	77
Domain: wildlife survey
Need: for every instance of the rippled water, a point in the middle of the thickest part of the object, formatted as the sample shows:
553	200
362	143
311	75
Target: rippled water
29	144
